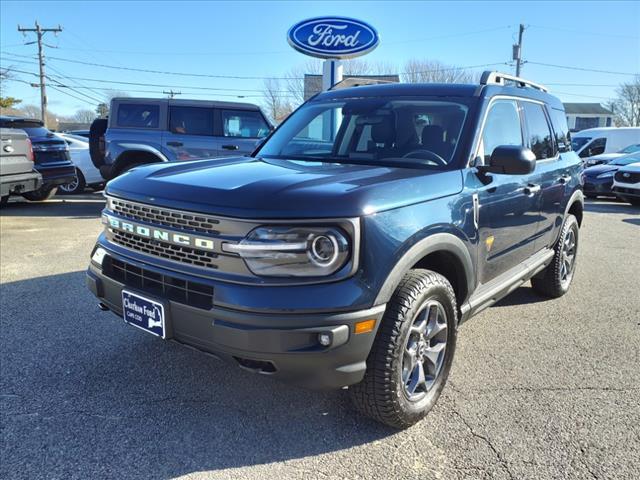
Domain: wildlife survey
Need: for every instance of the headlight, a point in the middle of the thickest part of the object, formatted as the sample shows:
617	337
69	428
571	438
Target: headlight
293	251
606	175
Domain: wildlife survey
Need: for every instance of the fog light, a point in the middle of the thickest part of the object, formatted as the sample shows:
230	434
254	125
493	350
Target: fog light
98	256
324	339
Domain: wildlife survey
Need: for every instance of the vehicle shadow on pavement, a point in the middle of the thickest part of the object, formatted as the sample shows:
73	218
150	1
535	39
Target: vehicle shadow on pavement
632	221
521	296
84	395
68	206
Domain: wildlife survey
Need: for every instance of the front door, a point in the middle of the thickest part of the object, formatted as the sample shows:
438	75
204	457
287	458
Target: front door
240	131
190	135
508	204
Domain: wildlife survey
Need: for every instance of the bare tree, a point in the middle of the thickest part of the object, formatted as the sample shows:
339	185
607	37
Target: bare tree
84	116
433	71
276	100
627	106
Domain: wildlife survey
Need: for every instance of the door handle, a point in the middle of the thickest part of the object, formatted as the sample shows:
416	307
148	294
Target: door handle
563	180
531	189
175	144
231	147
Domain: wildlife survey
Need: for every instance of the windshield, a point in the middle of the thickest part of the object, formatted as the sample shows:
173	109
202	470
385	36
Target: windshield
625	160
578	143
373	131
631	149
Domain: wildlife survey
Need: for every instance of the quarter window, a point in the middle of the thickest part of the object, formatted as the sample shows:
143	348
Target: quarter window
502	127
244	124
540	140
138	115
559	122
191	120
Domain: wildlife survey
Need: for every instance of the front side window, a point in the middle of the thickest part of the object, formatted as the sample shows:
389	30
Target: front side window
596	147
373	131
501	127
538	132
244	124
138	115
191	120
578	142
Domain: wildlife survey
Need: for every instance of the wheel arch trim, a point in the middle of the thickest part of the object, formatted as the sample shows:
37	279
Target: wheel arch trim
438	242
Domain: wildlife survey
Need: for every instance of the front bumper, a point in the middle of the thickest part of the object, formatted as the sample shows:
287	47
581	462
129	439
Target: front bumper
598	186
284	345
633	191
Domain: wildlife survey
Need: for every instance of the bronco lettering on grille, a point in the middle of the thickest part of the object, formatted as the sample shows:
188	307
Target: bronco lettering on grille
159	234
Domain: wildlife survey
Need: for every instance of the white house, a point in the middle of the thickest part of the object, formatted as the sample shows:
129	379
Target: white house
581	116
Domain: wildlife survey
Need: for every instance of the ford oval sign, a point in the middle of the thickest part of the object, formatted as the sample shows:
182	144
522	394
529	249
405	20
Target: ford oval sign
333	37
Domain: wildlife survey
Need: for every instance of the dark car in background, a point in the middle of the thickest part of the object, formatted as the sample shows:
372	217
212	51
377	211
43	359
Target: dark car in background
51	156
598	180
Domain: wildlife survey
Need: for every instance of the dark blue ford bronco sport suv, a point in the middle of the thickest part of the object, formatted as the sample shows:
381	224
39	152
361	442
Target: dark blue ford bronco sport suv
350	246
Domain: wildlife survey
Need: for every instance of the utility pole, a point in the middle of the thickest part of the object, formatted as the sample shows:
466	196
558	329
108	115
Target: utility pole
171	93
39	31
517	51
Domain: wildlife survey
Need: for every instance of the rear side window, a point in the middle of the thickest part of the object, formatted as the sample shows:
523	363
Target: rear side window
245	124
561	129
538	131
191	120
502	127
138	115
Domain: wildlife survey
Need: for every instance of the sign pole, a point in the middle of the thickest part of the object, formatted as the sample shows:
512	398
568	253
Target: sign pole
331	73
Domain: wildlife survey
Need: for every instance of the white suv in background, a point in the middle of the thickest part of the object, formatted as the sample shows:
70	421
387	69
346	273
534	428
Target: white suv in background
626	183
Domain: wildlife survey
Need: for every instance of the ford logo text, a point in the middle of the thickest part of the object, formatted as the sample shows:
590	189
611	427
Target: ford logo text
333	37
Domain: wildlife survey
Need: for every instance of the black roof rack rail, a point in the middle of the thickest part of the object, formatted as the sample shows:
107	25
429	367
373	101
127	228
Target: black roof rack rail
498	78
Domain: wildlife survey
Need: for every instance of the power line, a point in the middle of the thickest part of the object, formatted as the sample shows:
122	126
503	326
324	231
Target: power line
582	69
70	95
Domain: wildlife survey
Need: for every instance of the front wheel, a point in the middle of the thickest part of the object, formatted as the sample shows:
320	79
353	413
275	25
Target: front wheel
412	354
40	195
554	281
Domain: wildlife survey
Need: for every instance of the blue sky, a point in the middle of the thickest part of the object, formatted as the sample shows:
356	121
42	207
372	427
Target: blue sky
249	39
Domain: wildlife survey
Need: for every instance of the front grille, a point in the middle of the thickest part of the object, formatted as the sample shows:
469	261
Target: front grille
186	292
193	222
634	177
192	256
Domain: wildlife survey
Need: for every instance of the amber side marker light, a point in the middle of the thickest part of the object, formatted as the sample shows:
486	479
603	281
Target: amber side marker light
365	326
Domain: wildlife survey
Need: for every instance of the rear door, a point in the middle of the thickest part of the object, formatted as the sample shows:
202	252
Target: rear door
240	131
508	204
549	175
190	135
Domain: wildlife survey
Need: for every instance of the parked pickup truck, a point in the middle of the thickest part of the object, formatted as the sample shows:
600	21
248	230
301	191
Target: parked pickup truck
17	175
349	248
51	156
145	130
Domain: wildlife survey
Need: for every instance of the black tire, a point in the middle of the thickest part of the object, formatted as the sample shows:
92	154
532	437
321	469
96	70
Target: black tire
96	141
382	394
74	188
635	201
129	166
555	280
97	187
42	194
4	200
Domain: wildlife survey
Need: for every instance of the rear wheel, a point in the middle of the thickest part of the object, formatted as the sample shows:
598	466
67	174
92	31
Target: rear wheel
77	186
635	201
412	354
554	281
40	195
4	200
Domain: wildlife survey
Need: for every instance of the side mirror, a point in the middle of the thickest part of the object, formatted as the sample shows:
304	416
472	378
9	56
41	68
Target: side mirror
510	160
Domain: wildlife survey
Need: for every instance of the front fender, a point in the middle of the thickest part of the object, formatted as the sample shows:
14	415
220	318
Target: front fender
123	148
436	242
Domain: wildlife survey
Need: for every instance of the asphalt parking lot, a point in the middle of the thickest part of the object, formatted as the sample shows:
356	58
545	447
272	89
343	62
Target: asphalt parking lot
539	389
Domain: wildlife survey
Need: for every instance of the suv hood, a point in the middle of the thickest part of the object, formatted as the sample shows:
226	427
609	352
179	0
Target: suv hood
259	188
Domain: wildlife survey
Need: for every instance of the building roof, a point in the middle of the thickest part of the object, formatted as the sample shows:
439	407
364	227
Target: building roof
586	108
